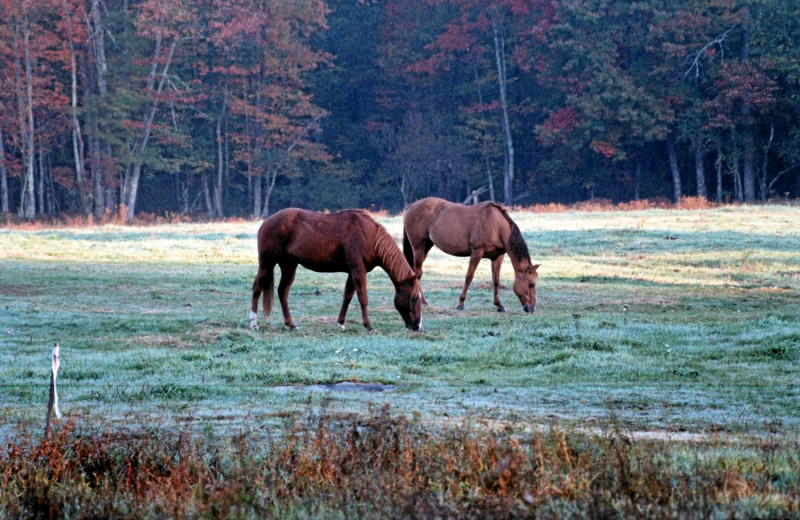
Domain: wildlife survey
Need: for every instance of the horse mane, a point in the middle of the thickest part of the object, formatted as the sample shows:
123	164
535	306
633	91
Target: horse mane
516	242
392	259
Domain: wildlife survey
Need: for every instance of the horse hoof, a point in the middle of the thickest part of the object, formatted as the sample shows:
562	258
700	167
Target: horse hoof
292	327
460	308
501	309
341	327
253	327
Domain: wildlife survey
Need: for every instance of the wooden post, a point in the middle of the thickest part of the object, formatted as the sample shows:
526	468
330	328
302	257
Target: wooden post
52	403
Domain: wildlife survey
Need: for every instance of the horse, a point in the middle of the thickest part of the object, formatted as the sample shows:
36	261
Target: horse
351	242
484	230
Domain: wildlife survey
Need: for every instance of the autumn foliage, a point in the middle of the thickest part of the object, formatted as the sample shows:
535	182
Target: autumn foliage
240	107
386	466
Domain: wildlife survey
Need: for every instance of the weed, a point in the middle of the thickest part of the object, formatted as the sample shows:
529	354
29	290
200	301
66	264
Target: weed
386	465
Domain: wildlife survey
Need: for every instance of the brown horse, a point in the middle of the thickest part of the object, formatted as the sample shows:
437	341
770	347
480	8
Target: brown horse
484	230
347	242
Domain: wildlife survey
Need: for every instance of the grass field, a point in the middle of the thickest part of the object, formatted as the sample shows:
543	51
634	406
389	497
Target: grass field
674	326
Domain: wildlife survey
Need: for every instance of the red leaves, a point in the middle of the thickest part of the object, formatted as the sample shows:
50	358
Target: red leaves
741	84
557	127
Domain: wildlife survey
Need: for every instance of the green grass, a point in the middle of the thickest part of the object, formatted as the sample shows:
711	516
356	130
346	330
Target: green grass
664	320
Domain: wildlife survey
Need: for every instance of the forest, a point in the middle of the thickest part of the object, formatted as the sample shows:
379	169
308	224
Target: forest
237	108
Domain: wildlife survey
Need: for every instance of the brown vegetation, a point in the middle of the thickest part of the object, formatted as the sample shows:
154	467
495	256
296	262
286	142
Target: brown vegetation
386	466
151	219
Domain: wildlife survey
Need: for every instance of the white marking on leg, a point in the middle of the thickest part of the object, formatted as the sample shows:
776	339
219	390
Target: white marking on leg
341	327
253	321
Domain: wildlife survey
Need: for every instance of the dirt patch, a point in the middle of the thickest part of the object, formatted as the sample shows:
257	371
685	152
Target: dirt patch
15	290
346	386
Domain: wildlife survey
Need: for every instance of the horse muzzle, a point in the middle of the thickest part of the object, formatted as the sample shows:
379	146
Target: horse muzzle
528	308
416	326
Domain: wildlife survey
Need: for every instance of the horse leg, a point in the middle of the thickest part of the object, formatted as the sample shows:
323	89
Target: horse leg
359	276
287	278
349	289
497	263
474	260
420	255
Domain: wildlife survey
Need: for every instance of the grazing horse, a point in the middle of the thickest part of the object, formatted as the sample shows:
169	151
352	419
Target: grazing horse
347	242
484	230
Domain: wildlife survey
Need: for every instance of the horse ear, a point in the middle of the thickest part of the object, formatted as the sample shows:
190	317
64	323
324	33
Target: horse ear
535	267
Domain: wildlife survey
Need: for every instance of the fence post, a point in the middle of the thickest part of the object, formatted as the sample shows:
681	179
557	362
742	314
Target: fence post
52	402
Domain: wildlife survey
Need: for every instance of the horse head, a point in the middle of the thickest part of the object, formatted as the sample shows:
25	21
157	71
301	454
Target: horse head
525	287
408	302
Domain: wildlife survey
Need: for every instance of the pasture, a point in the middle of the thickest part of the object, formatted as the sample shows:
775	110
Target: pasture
672	326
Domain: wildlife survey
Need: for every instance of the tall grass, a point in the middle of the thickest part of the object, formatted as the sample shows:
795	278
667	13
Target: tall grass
385	466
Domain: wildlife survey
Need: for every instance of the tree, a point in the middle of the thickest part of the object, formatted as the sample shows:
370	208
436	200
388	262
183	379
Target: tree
162	21
482	33
424	157
264	87
604	98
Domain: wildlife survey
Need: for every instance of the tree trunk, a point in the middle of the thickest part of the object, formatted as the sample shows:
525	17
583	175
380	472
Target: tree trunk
103	195
273	171
95	163
206	192
28	200
40	187
720	163
699	170
765	164
677	190
749	179
637	180
3	176
500	58
737	178
131	188
489	179
219	183
273	176
77	139
52	202
257	195
256	177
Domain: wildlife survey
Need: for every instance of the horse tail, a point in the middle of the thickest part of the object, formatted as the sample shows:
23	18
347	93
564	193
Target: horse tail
268	285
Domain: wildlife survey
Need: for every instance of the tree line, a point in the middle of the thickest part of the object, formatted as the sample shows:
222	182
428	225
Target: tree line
240	107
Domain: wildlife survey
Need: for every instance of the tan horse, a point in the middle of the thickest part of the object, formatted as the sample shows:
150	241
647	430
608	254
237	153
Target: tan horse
484	230
350	242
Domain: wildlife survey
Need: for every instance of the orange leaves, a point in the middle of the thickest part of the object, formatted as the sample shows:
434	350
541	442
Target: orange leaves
605	149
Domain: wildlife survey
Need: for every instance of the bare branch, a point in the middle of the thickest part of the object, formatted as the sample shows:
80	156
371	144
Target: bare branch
693	60
780	173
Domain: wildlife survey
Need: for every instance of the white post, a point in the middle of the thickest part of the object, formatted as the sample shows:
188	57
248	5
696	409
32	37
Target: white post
52	404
